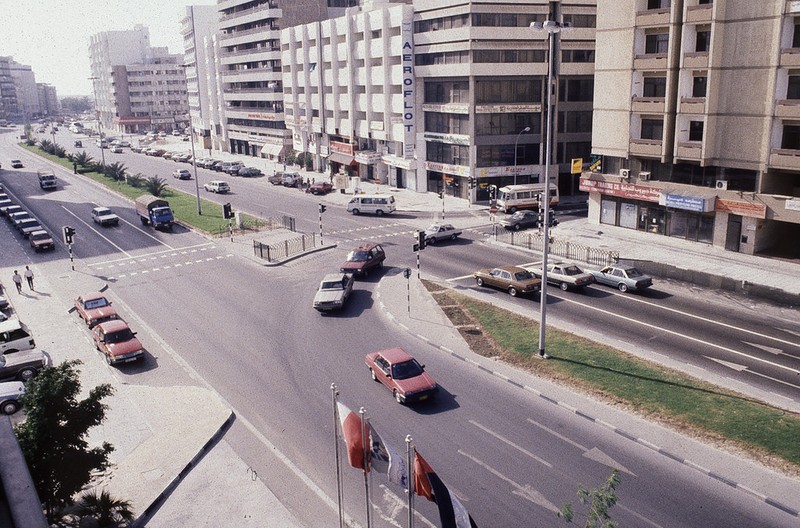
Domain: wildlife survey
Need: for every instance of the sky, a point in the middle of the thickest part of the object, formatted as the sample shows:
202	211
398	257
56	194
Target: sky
52	36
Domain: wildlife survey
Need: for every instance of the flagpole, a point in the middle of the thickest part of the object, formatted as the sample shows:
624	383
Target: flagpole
410	469
362	412
339	492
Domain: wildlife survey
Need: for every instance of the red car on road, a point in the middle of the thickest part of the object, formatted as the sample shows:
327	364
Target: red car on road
95	308
401	374
117	342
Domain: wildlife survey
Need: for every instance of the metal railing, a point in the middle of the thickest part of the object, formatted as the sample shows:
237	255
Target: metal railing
286	248
561	248
258	224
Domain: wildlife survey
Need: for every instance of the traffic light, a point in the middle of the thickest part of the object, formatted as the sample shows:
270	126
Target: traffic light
322	208
69	234
227	211
493	192
421	239
471	182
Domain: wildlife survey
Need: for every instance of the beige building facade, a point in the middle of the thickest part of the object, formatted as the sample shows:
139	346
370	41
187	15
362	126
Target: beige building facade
696	127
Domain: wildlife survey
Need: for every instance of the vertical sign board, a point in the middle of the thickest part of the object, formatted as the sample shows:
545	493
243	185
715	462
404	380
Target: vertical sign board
409	97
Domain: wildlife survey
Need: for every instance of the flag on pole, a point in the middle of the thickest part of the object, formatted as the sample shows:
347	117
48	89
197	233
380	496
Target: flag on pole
386	459
351	432
428	484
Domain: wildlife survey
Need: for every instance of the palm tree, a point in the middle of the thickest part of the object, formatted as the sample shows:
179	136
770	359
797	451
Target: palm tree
46	145
116	171
102	511
155	185
82	158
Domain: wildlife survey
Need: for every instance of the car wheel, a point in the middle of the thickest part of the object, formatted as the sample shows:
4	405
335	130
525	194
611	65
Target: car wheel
379	212
453	237
143	219
564	286
517	227
512	210
397	397
512	291
479	281
10	407
622	287
26	374
372	373
355	211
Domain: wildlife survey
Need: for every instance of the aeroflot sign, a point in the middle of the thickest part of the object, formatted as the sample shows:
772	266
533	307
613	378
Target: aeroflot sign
409	98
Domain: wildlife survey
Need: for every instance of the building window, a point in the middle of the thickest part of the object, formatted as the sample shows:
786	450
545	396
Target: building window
577	56
699	84
658	4
656	43
506	123
587	21
653	129
796	36
703	42
791	137
706	2
510	91
574	122
506	56
576	90
696	130
446	92
446	153
793	91
504	19
655	86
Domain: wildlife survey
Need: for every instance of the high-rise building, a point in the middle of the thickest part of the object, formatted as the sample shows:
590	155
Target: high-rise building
137	87
698	123
28	107
48	100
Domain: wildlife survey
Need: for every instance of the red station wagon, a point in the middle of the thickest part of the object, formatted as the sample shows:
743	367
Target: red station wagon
94	308
117	342
401	374
363	259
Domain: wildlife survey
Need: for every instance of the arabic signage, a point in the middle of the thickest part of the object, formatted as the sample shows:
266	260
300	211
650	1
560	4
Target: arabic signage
507	108
459	170
622	190
748	209
688	203
792	205
342	148
270	117
454	139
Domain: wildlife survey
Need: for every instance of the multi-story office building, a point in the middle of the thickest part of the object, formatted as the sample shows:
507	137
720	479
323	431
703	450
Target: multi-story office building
697	120
137	87
250	68
27	94
199	29
48	99
349	92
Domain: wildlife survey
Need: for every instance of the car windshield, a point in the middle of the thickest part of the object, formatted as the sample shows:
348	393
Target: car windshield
519	215
335	285
40	236
119	336
572	270
633	272
103	212
522	275
358	256
406	369
95	303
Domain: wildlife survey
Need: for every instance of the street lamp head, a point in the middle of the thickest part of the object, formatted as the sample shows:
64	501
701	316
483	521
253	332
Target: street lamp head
526	129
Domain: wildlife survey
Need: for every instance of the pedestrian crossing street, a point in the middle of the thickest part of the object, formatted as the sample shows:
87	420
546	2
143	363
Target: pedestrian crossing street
160	261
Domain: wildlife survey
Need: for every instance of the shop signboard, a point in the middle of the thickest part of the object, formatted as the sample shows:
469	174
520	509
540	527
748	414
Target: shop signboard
792	205
688	203
621	190
748	209
458	170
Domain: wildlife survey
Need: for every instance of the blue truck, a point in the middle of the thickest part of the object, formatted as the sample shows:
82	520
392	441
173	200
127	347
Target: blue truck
154	211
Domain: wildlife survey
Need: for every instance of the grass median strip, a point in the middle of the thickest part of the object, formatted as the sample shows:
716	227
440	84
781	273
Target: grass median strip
674	398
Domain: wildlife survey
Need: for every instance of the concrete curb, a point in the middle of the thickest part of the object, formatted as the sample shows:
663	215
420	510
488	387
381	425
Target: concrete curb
144	517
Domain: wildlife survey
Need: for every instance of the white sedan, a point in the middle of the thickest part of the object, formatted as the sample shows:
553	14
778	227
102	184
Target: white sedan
565	276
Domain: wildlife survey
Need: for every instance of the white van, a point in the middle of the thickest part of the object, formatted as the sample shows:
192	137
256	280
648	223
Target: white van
378	204
15	336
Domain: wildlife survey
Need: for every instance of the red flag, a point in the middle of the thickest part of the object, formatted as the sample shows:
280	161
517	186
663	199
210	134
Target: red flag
353	438
427	483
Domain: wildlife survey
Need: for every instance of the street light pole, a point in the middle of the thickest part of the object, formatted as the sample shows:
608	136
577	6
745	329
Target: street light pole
524	130
194	162
97	114
552	28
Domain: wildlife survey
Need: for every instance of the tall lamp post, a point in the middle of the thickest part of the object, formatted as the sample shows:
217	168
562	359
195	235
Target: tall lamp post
191	141
523	131
552	29
97	114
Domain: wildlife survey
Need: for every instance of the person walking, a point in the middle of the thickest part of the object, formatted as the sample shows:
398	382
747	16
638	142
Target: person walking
29	277
17	278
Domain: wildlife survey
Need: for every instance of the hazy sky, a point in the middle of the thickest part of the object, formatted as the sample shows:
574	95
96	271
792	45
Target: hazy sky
52	36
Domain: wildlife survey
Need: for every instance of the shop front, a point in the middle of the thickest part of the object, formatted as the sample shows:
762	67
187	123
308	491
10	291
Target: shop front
450	179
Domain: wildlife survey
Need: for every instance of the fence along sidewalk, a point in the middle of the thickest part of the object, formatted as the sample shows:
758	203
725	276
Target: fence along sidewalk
561	248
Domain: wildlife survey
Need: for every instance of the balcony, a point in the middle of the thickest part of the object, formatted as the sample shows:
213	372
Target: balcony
648	105
650	148
692	105
696	60
787	108
650	61
787	159
269	12
698	14
690	150
790	57
653	17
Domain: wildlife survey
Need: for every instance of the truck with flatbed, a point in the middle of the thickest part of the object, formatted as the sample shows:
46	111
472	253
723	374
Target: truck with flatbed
154	211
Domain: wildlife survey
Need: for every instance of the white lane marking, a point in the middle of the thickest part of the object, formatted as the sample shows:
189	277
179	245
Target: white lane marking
398	505
558	435
690	338
79	219
460	278
771	350
526	492
144	256
510	443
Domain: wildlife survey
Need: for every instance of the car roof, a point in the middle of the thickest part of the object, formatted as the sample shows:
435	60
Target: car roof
40	232
395	355
10	324
92	295
333	277
511	269
365	247
113	325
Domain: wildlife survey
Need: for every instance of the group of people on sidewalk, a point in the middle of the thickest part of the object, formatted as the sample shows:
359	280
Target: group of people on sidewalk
17	278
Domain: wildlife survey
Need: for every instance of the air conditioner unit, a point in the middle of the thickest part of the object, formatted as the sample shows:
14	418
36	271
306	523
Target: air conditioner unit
645	175
722	185
625	173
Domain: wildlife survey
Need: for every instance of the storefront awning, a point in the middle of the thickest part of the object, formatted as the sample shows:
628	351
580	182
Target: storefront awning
273	150
338	157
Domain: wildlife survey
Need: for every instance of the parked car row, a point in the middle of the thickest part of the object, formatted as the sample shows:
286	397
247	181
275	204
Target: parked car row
233	168
26	224
111	334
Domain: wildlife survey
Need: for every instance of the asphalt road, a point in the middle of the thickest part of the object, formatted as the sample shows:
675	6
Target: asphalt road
250	332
